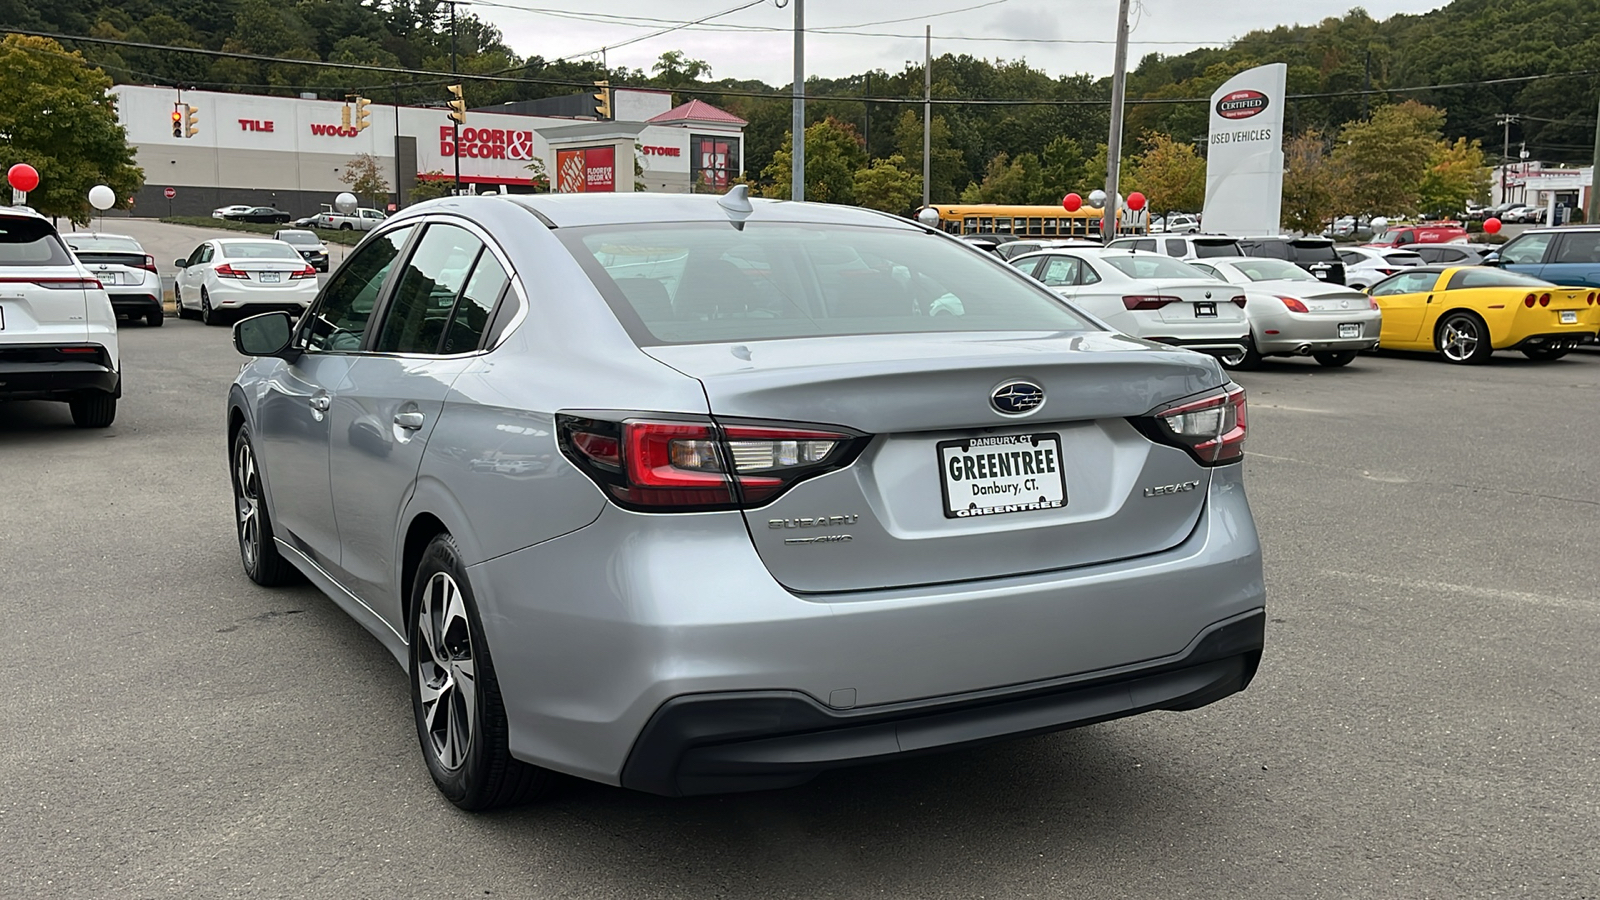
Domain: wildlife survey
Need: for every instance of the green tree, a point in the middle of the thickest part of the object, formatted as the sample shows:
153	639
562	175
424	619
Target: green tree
888	186
1170	175
1309	195
833	154
1456	173
55	115
1006	180
675	68
364	174
434	186
947	167
1380	164
1060	170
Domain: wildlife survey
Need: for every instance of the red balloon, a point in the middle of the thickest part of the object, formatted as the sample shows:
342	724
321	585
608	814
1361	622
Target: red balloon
1491	225
1072	202
1136	201
23	177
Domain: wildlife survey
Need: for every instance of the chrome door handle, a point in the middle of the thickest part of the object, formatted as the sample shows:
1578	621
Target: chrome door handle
321	402
411	421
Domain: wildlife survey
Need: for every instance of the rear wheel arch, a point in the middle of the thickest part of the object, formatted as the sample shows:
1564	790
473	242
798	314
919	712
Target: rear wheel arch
419	533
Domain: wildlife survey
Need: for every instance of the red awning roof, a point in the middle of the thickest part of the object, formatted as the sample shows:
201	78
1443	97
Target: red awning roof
699	111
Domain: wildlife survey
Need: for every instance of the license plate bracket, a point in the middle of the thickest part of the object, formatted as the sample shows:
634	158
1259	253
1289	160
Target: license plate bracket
1350	330
1205	310
999	474
1569	317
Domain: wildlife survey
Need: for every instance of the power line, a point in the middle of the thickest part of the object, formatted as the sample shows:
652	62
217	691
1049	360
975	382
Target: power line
667	30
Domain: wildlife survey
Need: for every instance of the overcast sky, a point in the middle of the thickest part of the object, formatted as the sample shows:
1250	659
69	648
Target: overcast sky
1164	26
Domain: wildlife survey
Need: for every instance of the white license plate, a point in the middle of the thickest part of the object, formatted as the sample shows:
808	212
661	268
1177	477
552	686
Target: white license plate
1569	317
1352	330
1205	310
988	476
271	277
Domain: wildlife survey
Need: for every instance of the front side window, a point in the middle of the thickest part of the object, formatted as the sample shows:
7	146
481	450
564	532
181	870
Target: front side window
1209	249
426	294
705	283
338	322
1406	283
1527	250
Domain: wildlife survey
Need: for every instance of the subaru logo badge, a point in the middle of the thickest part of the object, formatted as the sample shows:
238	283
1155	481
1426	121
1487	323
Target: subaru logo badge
1016	398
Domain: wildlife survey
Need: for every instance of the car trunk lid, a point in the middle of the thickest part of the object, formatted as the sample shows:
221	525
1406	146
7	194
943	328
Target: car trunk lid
44	306
949	489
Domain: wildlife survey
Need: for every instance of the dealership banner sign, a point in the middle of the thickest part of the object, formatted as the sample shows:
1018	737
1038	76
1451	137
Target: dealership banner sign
1244	162
586	170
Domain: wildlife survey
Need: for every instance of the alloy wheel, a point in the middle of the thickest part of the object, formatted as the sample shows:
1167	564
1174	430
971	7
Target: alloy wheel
247	503
1459	339
446	671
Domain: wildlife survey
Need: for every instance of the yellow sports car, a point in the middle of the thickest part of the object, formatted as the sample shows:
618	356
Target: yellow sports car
1468	312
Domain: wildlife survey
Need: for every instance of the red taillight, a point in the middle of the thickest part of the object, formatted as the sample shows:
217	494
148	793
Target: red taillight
1238	300
80	349
1148	301
1212	428
307	272
1530	300
668	466
1372	303
1591	298
227	271
1544	299
149	264
1294	305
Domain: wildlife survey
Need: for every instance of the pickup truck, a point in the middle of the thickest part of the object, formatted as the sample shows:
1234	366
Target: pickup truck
360	220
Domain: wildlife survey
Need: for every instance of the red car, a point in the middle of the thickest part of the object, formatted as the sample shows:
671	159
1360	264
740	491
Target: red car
1431	233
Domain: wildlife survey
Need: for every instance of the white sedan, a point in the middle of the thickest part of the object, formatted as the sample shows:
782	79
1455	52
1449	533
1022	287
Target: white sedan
1366	266
222	212
1147	295
242	276
1294	313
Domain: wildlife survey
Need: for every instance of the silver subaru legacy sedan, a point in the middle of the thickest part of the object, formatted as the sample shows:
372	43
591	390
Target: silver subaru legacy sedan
693	494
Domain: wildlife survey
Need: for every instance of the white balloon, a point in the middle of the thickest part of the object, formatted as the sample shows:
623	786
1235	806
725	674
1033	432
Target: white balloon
928	216
345	202
102	197
1379	223
1097	197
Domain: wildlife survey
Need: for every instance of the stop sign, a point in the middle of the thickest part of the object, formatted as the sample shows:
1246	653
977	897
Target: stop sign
170	193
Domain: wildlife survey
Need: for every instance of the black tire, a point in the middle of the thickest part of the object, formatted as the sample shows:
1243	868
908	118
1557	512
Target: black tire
258	553
345	226
93	409
1548	352
446	631
208	315
1335	359
177	302
1463	339
155	319
1250	360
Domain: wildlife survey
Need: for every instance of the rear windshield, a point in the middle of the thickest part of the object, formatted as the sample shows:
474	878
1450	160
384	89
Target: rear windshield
1481	276
94	243
299	237
1208	249
258	250
708	283
1263	269
31	242
1152	267
1406	258
1314	251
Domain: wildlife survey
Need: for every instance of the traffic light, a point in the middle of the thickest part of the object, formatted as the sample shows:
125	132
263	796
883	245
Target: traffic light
602	99
177	120
191	122
344	116
458	106
362	113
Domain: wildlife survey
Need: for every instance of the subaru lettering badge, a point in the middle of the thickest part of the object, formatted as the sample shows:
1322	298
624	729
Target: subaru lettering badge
1016	398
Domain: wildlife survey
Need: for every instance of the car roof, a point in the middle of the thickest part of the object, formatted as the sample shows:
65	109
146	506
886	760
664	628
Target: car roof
265	238
578	210
22	212
98	234
1561	228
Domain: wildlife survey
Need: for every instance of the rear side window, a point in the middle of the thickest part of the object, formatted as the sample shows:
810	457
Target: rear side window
1578	247
706	283
1208	249
1483	276
1268	249
1176	247
1406	258
31	242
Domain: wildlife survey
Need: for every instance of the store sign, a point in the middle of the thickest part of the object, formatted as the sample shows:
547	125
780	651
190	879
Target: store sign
486	143
661	151
334	130
586	170
1244	166
255	125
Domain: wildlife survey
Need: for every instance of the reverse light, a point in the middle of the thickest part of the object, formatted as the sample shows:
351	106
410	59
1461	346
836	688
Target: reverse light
683	466
1294	304
227	271
1211	428
1148	301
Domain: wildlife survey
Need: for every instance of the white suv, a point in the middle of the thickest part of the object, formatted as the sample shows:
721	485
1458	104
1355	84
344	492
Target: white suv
58	333
1181	246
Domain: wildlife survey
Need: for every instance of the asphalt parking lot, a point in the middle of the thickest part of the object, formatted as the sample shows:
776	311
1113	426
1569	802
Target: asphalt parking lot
1426	722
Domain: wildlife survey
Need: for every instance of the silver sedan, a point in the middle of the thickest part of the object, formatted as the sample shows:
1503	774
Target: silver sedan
1293	314
694	494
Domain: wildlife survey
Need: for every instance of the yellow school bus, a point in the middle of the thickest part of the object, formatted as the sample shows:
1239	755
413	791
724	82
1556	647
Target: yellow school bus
1022	221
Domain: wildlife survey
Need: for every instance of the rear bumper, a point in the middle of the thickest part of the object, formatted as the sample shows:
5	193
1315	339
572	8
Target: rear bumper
1556	337
42	372
135	304
715	743
1209	346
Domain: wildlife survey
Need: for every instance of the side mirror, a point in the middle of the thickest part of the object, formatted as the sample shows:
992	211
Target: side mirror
1492	259
265	335
181	263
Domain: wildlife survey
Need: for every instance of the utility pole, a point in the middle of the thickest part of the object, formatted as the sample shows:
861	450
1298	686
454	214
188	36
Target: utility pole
1592	214
1505	119
1366	85
927	110
866	117
797	141
1119	78
455	127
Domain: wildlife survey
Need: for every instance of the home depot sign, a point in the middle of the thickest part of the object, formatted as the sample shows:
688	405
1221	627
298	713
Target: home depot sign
586	170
